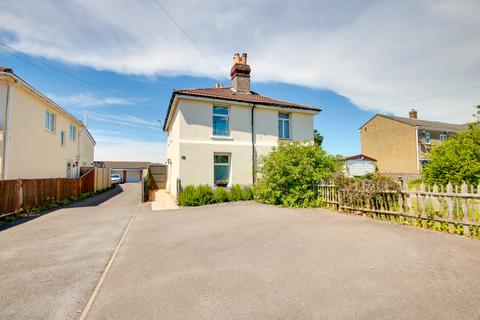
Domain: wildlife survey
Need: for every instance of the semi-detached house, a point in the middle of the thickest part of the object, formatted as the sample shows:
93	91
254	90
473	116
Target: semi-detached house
216	135
38	138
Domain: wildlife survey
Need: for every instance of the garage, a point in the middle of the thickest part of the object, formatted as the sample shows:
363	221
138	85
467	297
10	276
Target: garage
130	171
133	176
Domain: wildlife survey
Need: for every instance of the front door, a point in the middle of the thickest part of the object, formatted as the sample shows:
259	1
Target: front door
69	168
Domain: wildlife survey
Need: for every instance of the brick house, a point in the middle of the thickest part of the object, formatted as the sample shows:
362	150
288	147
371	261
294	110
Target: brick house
402	145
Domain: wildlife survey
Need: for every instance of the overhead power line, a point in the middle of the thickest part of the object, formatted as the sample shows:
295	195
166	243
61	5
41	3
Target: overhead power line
446	93
91	84
191	40
37	62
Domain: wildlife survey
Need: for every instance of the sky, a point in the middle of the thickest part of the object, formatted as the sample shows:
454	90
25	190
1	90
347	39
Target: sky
118	61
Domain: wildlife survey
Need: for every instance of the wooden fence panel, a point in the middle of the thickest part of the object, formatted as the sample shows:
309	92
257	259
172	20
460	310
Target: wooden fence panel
9	196
444	207
30	193
87	182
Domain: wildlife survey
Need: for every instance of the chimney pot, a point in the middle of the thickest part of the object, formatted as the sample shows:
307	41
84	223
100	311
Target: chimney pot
413	114
240	73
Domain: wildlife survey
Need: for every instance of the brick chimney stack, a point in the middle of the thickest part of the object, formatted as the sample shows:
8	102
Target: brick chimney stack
413	114
240	73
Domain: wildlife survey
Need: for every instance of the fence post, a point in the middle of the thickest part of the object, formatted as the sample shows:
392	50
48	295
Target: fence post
450	206
19	195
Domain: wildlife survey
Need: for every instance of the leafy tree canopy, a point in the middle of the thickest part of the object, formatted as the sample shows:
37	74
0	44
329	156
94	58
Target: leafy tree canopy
317	137
288	173
456	160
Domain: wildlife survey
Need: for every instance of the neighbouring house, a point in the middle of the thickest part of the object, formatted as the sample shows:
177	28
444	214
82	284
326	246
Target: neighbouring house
359	165
38	138
402	145
130	171
216	135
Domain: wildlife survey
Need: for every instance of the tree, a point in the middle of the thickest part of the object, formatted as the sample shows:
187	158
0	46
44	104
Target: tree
317	138
477	114
456	160
287	175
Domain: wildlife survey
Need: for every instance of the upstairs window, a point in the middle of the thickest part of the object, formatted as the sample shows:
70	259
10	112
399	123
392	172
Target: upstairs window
427	137
221	168
221	126
443	137
62	138
283	126
73	133
49	121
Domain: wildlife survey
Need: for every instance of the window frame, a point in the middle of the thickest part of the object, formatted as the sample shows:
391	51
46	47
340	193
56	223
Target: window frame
227	117
427	138
48	117
228	164
63	138
443	137
74	133
282	136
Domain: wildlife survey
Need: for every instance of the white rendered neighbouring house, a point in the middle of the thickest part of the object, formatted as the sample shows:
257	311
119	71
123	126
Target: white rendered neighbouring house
38	138
216	135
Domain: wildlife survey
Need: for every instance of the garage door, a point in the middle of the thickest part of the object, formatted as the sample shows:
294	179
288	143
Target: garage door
133	176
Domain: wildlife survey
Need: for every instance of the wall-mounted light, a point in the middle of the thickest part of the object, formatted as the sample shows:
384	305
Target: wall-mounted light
184	158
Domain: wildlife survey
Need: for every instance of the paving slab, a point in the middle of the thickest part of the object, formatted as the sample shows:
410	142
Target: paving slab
253	261
51	264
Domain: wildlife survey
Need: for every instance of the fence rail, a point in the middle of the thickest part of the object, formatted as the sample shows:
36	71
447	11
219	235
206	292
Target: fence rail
450	208
22	194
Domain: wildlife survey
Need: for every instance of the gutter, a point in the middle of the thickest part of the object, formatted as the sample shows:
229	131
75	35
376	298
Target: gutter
254	151
37	93
7	132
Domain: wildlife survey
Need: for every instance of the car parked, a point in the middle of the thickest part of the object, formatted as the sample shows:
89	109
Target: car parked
116	178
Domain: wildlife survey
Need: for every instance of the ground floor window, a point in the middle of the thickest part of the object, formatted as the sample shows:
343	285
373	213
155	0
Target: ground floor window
221	165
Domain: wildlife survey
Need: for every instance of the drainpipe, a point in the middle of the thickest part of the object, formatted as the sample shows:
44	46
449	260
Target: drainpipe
254	152
418	151
7	132
78	157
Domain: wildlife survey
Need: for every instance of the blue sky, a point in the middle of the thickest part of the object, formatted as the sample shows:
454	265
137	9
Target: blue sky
352	58
133	107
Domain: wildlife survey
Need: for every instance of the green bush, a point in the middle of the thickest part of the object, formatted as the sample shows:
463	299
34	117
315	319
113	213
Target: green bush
247	193
196	196
203	194
236	193
455	160
220	195
286	176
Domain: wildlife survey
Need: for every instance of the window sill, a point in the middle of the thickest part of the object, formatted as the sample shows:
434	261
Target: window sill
229	138
285	139
52	132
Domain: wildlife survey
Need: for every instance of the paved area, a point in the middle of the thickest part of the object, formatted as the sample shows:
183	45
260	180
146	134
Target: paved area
163	201
252	261
50	265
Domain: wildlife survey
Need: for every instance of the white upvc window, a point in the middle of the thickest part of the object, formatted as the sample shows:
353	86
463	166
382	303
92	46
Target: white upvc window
221	169
427	137
62	138
443	137
221	121
73	132
50	121
284	126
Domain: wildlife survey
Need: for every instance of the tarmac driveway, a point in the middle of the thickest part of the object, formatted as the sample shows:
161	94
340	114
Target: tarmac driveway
50	265
252	261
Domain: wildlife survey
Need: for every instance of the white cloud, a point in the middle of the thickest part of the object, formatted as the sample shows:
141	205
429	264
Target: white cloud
125	119
118	148
89	100
378	53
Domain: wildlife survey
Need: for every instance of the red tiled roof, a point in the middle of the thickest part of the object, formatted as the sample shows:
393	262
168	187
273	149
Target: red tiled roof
3	69
359	156
253	97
